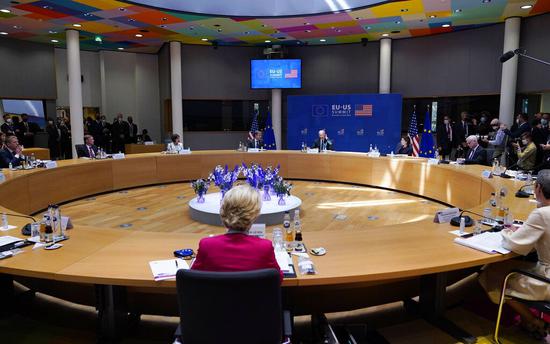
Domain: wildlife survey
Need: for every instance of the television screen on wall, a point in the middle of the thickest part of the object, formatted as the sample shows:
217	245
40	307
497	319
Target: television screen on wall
283	73
33	108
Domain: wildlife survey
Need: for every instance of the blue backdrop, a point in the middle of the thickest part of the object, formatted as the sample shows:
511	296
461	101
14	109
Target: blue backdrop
353	122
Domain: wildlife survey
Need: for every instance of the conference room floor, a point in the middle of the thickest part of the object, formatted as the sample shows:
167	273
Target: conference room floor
163	208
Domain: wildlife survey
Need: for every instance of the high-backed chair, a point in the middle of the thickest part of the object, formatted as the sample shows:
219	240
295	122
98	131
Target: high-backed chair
541	306
230	307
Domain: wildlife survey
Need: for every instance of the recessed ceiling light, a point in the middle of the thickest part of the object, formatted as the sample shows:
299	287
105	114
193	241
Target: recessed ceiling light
164	19
267	41
298	42
77	25
433	16
3	33
263	25
404	10
54	41
398	22
526	7
385	34
46	7
446	25
131	20
308	31
52	31
120	48
5	10
348	10
204	39
486	1
322	40
458	10
339	30
139	35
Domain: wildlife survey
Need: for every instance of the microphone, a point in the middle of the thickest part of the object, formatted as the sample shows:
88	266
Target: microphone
506	56
504	175
523	194
455	221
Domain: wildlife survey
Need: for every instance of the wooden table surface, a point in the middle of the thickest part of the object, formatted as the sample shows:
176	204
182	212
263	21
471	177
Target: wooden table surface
132	148
120	257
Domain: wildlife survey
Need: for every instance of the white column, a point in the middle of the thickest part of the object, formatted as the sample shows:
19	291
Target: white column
384	83
509	71
276	115
175	83
75	89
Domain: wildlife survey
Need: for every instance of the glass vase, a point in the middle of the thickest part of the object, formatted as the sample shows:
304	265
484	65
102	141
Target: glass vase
281	199
200	197
266	197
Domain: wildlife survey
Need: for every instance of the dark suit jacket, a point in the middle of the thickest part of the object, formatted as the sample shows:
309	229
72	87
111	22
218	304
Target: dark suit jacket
133	130
6	157
82	151
317	144
235	252
479	157
7	129
260	144
405	150
523	128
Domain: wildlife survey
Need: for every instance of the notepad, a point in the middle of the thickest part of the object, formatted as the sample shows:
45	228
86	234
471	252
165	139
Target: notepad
285	263
167	269
6	240
488	242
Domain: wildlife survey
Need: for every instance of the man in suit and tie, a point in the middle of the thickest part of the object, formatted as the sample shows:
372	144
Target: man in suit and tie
133	130
27	130
447	139
88	149
257	141
476	154
323	142
11	153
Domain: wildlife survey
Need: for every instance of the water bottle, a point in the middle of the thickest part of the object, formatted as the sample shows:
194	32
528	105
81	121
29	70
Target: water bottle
303	146
462	225
10	166
436	155
375	148
5	221
391	154
477	228
57	213
33	160
370	148
528	182
298	245
278	244
495	166
289	235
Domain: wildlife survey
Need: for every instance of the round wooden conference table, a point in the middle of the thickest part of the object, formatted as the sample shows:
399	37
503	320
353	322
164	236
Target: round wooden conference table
362	265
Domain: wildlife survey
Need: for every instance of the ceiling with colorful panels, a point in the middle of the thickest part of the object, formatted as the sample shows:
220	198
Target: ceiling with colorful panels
120	25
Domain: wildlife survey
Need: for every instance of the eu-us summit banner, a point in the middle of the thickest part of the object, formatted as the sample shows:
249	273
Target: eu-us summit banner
353	122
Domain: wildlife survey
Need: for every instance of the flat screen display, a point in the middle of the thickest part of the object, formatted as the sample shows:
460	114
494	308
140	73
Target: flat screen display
33	108
276	73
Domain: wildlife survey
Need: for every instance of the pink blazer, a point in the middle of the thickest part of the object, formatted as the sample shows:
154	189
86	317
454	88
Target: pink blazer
235	252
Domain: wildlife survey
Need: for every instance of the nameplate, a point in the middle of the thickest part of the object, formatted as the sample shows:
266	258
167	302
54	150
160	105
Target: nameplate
253	150
257	230
486	174
185	151
51	164
149	143
118	156
445	215
373	154
432	161
312	151
2	177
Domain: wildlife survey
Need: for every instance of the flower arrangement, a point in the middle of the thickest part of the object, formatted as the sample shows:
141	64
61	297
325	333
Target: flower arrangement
254	175
200	186
282	188
224	178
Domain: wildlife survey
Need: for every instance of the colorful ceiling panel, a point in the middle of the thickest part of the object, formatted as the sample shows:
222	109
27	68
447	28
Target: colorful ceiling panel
112	25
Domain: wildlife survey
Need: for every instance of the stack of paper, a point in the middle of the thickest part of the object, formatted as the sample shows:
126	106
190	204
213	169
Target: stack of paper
488	242
167	269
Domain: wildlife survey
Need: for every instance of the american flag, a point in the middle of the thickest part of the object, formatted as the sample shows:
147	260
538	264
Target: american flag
363	109
292	75
254	127
413	133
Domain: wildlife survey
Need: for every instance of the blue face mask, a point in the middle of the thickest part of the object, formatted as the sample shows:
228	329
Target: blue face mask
544	122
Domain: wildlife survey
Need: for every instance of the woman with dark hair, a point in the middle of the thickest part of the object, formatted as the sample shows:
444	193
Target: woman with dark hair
175	146
405	146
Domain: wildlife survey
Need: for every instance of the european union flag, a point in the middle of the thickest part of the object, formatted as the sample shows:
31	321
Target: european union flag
427	147
269	135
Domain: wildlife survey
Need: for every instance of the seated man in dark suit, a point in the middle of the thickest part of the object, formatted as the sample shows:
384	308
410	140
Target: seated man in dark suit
11	153
476	154
88	149
257	142
323	142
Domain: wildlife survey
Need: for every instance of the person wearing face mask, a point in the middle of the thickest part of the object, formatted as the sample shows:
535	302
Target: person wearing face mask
483	127
533	234
7	127
539	135
104	138
521	126
498	140
447	139
526	155
120	131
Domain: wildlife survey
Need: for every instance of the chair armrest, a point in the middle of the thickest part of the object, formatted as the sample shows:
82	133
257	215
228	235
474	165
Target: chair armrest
531	275
287	323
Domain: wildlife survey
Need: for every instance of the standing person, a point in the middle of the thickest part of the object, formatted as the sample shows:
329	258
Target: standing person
66	151
104	137
483	127
7	127
54	136
120	131
463	129
17	130
496	139
132	130
447	139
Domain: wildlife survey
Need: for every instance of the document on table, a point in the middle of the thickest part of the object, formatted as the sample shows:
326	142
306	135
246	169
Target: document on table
488	242
167	269
7	239
285	263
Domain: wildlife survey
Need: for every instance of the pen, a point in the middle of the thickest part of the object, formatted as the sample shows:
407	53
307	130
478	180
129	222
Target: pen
176	263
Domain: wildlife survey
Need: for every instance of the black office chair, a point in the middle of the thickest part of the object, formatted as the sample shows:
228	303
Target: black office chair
541	306
231	307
